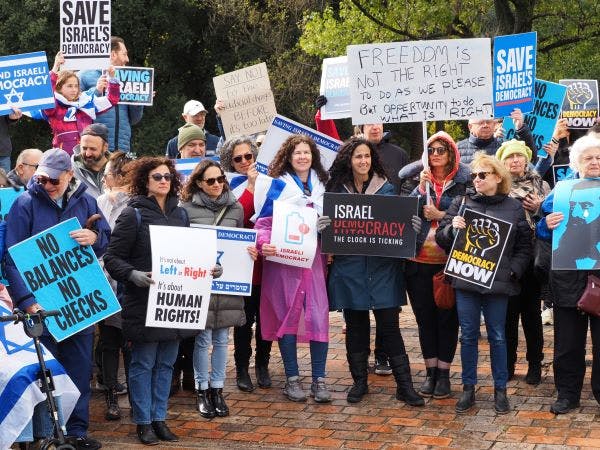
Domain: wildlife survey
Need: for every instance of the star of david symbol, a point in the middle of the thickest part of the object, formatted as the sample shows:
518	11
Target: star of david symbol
12	94
13	347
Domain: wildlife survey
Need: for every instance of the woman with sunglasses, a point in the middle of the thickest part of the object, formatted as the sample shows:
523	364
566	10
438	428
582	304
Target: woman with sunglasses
153	186
492	185
436	186
208	200
293	304
238	157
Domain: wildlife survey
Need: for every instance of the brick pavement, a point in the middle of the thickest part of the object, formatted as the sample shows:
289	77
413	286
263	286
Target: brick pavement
265	419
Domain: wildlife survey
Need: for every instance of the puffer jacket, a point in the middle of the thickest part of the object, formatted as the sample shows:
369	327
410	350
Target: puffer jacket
468	147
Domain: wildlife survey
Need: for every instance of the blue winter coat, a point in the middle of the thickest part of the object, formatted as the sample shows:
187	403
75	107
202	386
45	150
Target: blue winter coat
366	282
33	212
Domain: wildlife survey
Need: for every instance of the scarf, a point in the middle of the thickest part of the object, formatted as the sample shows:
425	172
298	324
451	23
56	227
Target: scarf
299	197
87	103
225	199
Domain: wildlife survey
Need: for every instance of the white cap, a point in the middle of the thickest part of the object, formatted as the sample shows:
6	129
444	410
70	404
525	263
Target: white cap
193	107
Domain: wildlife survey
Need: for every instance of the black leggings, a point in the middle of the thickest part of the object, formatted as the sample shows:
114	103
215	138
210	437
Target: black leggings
358	331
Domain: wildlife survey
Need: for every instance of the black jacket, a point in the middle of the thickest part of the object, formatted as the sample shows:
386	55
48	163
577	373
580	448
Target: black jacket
393	158
129	249
517	252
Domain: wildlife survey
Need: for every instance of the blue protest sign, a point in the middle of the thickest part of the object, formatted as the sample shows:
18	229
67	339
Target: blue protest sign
66	276
137	84
514	72
335	86
25	83
7	198
546	112
562	172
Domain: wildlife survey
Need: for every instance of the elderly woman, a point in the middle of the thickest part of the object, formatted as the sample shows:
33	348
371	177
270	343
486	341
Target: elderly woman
570	325
238	158
529	188
492	184
446	179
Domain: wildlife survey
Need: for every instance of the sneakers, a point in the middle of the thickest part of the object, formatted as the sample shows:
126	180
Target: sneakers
83	443
113	412
382	367
293	390
319	391
547	316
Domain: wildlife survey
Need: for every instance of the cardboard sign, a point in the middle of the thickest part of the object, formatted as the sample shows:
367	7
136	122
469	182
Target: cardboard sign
561	172
25	83
542	120
580	106
281	128
249	101
420	81
335	86
294	234
66	276
514	72
233	256
85	34
137	84
576	241
180	295
478	248
376	225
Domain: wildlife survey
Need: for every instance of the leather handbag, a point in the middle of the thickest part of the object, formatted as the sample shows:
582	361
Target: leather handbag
443	292
590	300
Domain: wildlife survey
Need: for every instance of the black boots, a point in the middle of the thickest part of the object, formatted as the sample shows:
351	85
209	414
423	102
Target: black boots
501	404
244	383
428	386
113	412
162	431
263	378
563	406
405	390
204	404
146	434
442	384
359	369
534	373
466	400
218	402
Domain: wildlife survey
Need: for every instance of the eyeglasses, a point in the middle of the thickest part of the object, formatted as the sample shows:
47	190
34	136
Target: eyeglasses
159	176
483	122
437	150
43	180
247	157
35	166
211	181
481	175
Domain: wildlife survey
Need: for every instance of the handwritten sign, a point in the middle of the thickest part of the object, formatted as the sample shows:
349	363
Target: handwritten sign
335	86
137	84
422	80
580	106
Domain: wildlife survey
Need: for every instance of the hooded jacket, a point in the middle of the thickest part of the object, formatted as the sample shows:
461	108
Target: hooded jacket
93	180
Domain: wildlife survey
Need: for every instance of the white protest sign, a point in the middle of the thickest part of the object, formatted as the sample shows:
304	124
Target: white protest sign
335	86
85	33
294	234
249	101
281	128
420	81
182	260
233	256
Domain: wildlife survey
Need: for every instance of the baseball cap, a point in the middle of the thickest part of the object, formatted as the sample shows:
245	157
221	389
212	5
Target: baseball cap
193	107
54	162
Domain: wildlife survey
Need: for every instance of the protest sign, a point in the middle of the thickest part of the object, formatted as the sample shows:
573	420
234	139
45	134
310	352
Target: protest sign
420	81
182	260
576	241
514	72
561	172
580	106
137	84
249	101
66	276
335	86
281	128
25	83
542	120
478	249
233	256
7	198
294	234
85	34
376	225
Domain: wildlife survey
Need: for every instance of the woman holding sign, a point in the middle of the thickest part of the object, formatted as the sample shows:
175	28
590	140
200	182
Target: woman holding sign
492	185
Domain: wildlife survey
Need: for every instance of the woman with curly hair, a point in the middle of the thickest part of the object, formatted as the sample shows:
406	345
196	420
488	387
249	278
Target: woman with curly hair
154	185
358	283
293	303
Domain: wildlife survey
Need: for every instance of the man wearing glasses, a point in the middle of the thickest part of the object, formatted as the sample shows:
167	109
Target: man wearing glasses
26	165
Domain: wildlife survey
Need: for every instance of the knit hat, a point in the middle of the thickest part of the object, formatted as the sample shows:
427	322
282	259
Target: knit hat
511	147
54	162
189	132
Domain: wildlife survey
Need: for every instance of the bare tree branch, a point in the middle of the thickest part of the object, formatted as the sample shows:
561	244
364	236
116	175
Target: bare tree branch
371	17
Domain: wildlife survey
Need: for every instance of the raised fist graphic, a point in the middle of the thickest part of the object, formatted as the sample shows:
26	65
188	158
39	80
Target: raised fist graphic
482	235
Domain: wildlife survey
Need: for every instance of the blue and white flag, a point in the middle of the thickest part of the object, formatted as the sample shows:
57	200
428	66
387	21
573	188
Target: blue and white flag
186	166
19	390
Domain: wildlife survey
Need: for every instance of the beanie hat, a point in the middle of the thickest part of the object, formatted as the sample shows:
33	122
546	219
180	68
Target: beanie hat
189	132
511	147
96	129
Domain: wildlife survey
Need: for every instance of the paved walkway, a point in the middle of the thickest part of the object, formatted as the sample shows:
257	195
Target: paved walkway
265	419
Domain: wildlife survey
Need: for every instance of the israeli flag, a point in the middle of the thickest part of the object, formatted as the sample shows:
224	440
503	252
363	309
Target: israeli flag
186	166
237	183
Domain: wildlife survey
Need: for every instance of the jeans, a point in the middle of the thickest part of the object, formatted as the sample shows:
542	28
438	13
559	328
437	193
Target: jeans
41	425
289	355
358	331
150	373
469	306
242	336
218	358
5	163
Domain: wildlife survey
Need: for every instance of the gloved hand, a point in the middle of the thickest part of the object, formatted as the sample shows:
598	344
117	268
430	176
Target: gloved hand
320	101
141	279
416	223
323	222
217	271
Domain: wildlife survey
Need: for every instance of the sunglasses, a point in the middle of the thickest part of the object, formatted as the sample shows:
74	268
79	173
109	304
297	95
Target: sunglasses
159	176
247	157
437	150
211	181
43	180
481	175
